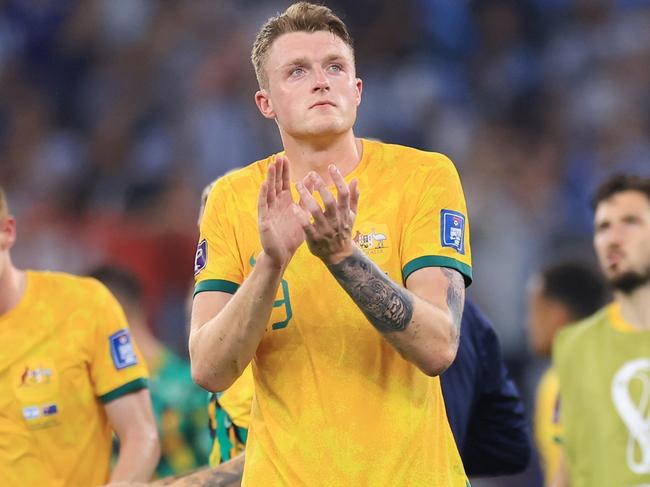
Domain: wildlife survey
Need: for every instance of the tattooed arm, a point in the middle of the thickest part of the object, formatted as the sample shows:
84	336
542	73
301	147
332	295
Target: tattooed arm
422	321
228	474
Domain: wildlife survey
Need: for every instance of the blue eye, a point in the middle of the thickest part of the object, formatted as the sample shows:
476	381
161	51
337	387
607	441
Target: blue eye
335	67
297	72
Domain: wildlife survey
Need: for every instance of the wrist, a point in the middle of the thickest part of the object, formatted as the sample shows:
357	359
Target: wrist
338	257
265	261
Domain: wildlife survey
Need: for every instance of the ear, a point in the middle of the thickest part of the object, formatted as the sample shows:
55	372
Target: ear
264	104
359	85
7	233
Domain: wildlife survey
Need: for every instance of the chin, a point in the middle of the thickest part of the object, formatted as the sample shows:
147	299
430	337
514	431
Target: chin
630	281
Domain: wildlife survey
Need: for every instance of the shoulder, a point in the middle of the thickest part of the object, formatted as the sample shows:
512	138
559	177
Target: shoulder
410	157
68	285
242	179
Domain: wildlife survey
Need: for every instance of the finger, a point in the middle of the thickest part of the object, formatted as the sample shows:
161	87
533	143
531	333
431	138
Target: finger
311	205
354	196
301	215
262	207
286	176
303	218
279	170
328	200
341	187
270	185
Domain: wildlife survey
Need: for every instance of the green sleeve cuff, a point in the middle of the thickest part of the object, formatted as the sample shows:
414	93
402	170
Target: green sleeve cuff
437	261
216	285
128	388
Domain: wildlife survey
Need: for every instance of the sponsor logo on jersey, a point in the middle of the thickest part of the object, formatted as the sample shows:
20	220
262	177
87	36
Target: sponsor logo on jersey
201	257
452	230
122	351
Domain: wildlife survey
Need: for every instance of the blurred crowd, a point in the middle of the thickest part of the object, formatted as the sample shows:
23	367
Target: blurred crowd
115	113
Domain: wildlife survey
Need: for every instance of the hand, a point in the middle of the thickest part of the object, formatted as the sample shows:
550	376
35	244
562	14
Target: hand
329	237
280	230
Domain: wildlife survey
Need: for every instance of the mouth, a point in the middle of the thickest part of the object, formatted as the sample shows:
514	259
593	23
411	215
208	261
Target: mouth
614	259
323	103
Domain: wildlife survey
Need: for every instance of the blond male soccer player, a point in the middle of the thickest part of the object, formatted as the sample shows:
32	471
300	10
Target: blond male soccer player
348	310
69	376
604	361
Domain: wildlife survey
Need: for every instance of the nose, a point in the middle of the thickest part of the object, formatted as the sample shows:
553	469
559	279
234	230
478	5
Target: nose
321	81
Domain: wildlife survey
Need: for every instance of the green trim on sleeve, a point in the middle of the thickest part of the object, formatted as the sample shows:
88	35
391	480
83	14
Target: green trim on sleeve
437	261
129	387
216	285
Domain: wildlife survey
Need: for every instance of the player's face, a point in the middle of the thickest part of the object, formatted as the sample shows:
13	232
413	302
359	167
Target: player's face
312	89
622	239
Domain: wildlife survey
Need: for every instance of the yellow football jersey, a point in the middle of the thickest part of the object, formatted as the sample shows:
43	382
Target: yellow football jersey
66	350
230	413
334	403
548	431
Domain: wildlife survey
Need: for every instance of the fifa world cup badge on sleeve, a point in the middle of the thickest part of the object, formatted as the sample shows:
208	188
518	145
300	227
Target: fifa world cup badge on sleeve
122	349
201	257
452	230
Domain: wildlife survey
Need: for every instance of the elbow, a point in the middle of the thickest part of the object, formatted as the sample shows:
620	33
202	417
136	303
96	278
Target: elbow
436	363
211	380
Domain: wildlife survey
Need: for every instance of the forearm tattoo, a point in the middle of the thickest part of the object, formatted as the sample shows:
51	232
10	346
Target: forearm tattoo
227	474
455	296
387	306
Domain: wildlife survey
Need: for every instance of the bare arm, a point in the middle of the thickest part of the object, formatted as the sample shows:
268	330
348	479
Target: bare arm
228	474
132	420
226	330
423	321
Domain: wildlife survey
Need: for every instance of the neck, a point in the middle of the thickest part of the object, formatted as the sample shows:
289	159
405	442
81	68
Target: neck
312	154
12	287
148	344
635	307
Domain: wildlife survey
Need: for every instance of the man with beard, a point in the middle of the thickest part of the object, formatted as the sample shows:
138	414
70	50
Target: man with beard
603	362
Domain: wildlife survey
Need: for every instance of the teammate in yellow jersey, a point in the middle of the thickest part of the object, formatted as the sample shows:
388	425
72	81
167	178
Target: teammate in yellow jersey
603	362
347	310
69	375
558	295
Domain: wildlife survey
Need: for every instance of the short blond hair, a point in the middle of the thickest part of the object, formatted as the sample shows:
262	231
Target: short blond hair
4	207
299	17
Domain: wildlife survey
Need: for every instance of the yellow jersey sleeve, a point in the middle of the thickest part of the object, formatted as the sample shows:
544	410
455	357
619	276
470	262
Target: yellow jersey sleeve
217	265
437	232
117	367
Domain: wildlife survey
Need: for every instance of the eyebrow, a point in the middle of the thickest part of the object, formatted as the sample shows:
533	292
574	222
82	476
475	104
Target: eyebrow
301	61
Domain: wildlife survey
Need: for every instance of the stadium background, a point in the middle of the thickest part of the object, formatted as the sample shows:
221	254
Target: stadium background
115	113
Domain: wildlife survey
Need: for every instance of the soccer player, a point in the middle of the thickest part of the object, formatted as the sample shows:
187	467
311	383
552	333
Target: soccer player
558	295
70	375
603	362
178	403
348	311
